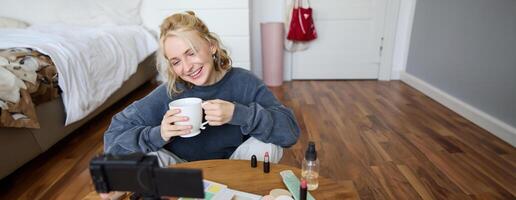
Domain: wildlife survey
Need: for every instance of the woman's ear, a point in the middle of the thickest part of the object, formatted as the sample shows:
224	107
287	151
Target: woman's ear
213	49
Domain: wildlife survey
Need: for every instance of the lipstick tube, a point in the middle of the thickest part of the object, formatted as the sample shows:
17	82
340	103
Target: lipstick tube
266	164
303	190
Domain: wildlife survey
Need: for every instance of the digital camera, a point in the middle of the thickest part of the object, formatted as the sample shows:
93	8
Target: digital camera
142	175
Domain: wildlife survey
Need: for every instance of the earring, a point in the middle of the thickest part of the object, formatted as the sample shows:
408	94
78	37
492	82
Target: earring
215	59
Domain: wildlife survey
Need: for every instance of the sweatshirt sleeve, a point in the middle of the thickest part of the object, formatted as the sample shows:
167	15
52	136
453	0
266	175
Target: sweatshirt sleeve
128	134
266	119
136	128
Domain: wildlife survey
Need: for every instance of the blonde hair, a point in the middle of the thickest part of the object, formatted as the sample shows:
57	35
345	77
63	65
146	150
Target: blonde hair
177	25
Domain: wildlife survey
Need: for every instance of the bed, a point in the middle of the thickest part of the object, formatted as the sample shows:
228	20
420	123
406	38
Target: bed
100	52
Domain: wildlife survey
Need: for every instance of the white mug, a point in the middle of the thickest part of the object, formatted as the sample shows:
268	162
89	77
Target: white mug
191	108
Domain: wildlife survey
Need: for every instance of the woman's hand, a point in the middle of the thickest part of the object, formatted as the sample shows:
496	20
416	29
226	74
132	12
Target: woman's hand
112	195
218	112
169	129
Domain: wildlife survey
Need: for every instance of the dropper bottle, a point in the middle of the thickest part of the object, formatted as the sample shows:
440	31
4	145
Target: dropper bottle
310	167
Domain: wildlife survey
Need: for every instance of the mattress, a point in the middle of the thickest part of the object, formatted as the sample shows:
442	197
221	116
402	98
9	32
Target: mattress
91	62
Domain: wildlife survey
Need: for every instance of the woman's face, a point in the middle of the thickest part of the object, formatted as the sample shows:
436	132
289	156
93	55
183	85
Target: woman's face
191	65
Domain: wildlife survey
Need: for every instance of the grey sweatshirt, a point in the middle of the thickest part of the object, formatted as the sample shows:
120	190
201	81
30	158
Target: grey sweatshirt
257	113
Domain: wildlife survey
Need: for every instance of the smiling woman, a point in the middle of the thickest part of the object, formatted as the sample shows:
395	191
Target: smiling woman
244	118
191	59
192	52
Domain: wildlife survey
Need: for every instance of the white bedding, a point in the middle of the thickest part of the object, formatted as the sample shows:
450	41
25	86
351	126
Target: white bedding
91	62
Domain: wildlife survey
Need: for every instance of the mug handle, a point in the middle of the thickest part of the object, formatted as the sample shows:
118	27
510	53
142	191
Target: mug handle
206	122
203	125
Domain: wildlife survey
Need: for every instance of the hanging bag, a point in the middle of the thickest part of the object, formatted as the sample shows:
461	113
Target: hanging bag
292	46
302	26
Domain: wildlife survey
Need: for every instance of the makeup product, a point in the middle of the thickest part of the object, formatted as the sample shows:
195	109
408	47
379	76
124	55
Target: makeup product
267	197
266	164
284	197
293	184
254	162
303	190
310	167
279	192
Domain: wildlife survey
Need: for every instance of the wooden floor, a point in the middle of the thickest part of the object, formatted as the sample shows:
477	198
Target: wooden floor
391	140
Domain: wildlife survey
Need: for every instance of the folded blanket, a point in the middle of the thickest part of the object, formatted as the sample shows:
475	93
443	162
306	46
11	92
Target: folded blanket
27	78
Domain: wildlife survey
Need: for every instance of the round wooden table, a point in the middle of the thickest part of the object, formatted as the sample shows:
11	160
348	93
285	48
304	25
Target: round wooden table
239	175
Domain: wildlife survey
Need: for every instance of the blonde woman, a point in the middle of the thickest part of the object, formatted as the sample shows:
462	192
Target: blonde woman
244	116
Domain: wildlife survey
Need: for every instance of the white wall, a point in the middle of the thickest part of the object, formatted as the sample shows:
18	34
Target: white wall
263	11
228	18
404	29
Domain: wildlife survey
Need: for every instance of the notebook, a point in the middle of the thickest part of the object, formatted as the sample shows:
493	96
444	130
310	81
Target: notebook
217	191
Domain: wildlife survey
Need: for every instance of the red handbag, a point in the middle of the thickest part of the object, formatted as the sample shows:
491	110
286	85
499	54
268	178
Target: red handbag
302	27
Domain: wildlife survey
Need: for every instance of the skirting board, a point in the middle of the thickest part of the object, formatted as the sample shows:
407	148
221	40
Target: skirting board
395	74
480	118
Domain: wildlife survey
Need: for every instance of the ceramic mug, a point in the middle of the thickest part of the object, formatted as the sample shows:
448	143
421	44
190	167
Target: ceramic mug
191	108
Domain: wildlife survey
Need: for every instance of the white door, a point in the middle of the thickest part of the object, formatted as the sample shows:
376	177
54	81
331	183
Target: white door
348	44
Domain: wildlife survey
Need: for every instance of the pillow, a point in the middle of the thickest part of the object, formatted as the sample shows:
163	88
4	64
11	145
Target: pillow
6	22
74	12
